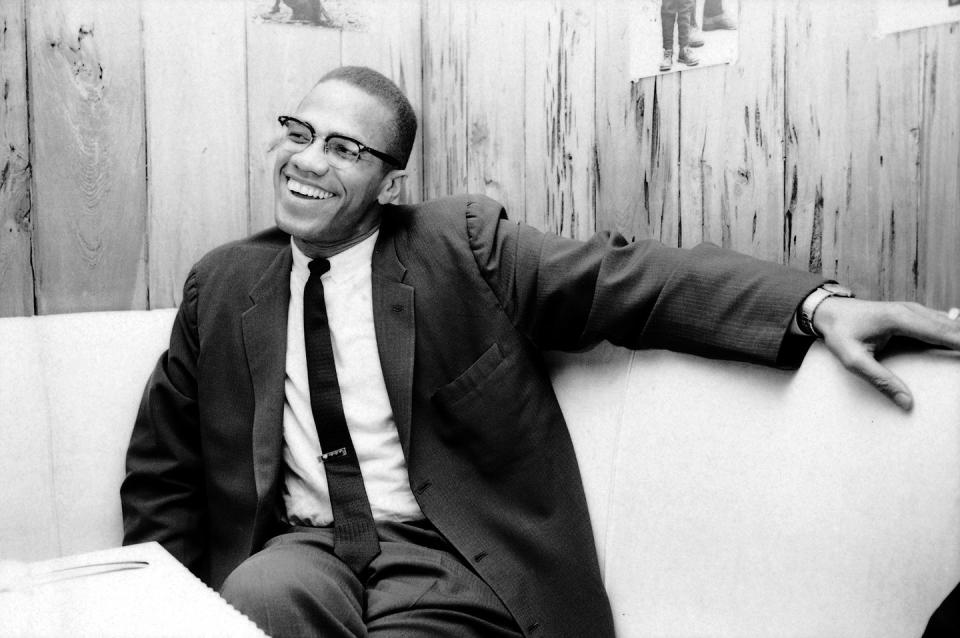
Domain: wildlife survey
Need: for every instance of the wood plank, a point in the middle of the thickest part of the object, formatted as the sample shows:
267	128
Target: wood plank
284	61
16	271
444	97
638	130
812	133
390	42
832	156
860	238
940	173
89	206
852	178
559	124
731	145
900	121
494	99
196	135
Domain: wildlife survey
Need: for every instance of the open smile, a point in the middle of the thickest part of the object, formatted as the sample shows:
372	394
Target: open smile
306	190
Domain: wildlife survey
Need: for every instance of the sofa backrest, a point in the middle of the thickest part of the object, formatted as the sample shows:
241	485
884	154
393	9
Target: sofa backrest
727	499
70	386
734	500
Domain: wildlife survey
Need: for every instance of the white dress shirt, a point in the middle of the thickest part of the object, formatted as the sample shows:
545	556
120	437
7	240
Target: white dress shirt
347	291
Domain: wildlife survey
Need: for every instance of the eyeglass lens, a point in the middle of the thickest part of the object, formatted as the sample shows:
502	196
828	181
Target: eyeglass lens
340	151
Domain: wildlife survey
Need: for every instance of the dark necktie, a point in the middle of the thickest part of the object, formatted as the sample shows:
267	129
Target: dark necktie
354	534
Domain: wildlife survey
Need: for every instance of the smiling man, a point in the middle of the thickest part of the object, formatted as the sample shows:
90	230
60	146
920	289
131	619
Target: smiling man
352	432
329	194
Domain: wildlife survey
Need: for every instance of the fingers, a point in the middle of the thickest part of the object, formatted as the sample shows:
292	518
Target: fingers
859	359
925	324
879	376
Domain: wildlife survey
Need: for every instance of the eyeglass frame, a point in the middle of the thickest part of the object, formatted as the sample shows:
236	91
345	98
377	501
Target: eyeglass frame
383	157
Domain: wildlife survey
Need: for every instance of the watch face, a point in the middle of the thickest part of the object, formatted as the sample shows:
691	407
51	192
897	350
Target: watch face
837	290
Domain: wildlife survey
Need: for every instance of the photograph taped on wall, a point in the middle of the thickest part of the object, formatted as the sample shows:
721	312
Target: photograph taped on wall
349	15
898	15
676	35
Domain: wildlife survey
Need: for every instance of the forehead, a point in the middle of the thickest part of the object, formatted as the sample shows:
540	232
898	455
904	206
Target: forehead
337	107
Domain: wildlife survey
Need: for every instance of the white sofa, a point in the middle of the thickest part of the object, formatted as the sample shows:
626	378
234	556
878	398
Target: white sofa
727	499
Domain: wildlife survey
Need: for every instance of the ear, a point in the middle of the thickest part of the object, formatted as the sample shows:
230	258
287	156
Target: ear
391	185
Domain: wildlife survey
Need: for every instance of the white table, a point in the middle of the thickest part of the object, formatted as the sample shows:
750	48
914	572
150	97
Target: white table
140	590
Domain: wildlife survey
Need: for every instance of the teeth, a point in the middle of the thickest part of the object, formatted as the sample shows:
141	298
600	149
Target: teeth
306	189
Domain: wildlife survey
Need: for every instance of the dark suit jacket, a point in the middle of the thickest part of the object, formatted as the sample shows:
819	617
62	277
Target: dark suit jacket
464	301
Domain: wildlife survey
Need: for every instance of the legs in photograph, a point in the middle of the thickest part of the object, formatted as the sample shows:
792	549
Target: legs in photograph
679	13
715	18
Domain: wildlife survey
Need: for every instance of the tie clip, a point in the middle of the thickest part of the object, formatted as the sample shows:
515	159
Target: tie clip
338	452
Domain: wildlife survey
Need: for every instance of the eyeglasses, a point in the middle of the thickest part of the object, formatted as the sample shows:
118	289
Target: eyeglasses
341	151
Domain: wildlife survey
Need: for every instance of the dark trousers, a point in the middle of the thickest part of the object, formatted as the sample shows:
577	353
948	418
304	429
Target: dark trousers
679	13
712	8
416	587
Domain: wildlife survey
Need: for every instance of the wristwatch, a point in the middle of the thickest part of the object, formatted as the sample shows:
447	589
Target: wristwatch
809	306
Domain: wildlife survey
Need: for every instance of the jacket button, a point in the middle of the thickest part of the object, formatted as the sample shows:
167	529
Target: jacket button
423	487
397	307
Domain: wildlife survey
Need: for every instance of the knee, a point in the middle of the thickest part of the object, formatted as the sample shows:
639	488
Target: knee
287	595
254	583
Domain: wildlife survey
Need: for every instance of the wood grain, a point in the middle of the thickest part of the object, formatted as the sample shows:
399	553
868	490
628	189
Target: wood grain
825	147
731	157
560	112
89	208
284	60
940	170
638	130
444	98
899	82
824	115
494	99
16	270
391	43
196	127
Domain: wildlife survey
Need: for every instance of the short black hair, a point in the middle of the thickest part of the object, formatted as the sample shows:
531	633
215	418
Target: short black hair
381	87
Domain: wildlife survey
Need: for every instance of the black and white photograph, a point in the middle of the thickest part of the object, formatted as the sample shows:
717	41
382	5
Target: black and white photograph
692	33
480	318
894	16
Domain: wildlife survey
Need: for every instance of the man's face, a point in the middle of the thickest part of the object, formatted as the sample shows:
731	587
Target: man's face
324	207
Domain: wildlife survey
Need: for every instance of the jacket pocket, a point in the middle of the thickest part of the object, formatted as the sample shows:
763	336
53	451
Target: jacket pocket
491	410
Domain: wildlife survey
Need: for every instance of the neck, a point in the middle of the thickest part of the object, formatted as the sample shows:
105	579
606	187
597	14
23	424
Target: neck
315	249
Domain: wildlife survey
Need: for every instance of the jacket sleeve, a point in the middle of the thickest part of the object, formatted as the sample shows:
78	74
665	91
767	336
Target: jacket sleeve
568	295
162	495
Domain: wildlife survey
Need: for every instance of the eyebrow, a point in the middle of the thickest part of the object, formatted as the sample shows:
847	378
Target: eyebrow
329	133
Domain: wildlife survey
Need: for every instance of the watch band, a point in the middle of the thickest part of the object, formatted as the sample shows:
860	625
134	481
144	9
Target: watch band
808	307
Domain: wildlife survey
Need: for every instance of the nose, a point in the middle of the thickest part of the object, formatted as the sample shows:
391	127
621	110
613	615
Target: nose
313	158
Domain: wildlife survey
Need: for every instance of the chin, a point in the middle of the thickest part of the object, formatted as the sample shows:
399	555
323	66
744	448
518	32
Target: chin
298	226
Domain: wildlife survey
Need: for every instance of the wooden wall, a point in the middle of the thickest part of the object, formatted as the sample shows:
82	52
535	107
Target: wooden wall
135	135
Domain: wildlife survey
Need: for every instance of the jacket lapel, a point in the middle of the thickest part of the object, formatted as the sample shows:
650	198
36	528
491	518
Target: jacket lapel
393	317
265	343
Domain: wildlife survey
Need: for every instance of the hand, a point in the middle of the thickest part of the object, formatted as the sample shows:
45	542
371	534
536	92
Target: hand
855	331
